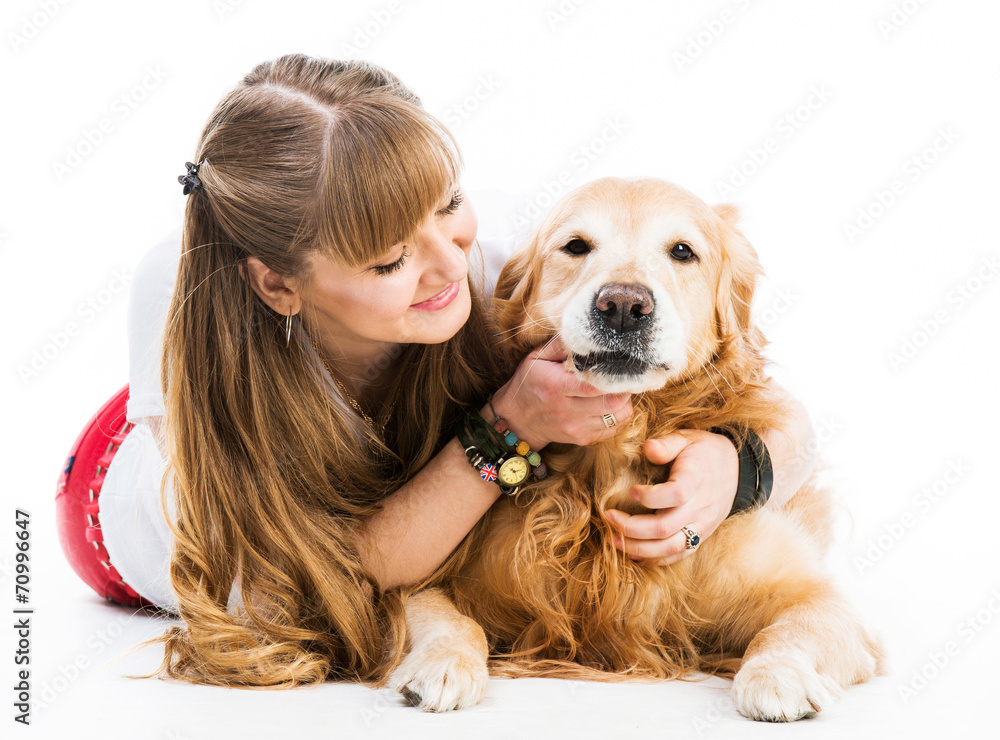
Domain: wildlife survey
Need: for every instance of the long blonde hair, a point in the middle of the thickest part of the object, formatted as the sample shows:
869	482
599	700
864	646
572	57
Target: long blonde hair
271	484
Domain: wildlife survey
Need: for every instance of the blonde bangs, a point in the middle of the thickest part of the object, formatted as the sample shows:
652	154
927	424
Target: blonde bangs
390	165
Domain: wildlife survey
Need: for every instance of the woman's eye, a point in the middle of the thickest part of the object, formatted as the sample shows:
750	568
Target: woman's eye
682	252
392	266
456	201
576	247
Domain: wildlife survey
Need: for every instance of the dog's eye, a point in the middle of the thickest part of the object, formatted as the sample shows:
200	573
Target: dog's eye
576	247
682	252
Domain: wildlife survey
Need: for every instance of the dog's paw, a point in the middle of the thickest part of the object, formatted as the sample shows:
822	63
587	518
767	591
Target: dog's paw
781	687
441	677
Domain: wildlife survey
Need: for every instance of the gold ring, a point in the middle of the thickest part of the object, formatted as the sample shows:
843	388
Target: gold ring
609	420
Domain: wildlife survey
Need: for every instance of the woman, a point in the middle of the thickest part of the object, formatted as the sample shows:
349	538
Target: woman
322	341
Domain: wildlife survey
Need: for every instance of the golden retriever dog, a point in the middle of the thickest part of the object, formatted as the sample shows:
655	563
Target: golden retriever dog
650	290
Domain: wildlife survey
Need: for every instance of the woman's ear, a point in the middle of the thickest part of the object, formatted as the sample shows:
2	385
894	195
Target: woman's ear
280	293
737	277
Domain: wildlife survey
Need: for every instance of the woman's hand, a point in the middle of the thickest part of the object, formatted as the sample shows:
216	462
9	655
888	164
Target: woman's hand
699	494
544	402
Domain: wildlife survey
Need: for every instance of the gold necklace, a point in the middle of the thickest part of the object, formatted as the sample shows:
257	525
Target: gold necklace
353	401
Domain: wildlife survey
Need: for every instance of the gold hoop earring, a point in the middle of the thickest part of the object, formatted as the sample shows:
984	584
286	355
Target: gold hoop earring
288	327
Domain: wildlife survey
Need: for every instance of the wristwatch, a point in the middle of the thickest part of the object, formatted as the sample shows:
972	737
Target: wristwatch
493	462
514	471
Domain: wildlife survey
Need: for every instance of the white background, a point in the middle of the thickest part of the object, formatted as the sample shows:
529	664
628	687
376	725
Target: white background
530	89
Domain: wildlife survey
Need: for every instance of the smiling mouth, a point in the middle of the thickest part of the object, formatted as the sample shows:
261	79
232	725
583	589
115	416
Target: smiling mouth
439	300
611	363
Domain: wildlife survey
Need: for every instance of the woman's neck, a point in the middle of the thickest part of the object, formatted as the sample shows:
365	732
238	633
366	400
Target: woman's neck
366	369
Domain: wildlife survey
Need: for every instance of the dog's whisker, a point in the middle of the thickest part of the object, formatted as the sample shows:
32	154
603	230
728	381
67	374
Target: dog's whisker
722	375
704	344
533	361
519	327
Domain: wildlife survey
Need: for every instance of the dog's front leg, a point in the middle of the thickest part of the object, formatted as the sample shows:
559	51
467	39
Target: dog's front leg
445	664
802	661
805	642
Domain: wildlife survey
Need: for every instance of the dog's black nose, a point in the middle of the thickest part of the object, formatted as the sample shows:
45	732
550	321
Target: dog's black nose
624	306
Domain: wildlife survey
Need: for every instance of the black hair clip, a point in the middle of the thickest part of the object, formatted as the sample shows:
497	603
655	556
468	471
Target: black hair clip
190	181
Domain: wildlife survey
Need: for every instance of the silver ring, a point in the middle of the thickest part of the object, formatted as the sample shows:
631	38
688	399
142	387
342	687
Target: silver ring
609	420
691	538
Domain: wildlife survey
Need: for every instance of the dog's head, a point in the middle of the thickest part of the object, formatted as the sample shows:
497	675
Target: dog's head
643	281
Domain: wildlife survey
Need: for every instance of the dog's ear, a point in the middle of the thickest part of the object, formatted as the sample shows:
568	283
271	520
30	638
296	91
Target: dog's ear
516	279
513	298
737	278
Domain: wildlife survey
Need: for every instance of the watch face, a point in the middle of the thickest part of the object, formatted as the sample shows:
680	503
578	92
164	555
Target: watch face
514	471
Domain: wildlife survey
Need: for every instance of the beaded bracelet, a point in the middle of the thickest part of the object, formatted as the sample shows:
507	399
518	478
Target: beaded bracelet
486	466
514	467
522	448
498	457
487	456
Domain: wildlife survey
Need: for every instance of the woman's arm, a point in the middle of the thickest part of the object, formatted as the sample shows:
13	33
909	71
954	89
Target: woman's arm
426	519
704	473
793	457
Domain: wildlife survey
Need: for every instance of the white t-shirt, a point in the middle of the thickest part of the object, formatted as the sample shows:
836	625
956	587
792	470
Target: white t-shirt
135	529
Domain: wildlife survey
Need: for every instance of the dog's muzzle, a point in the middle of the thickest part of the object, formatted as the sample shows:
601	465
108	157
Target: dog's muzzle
614	363
621	325
624	307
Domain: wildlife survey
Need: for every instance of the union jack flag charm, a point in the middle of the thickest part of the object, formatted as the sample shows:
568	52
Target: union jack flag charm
488	473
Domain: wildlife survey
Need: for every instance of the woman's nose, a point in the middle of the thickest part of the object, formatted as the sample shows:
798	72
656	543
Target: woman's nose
447	258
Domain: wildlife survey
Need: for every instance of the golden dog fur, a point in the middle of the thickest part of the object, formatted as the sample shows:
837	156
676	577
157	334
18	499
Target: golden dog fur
540	575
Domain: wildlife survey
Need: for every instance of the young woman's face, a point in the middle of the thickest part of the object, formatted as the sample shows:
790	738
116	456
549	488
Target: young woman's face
419	294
